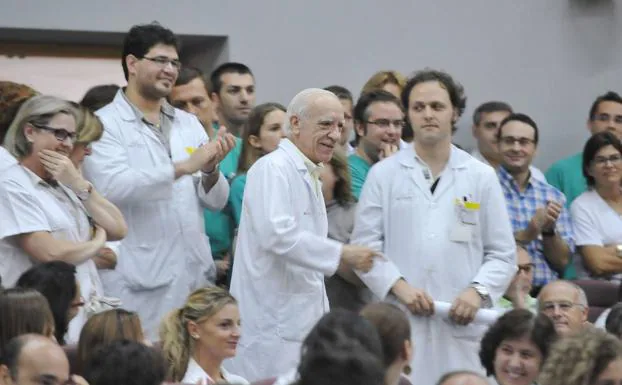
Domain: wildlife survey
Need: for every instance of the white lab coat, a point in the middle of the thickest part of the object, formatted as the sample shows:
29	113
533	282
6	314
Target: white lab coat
282	256
166	253
6	159
398	215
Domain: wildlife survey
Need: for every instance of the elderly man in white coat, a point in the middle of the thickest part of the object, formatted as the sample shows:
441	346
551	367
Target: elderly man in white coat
155	164
440	219
283	252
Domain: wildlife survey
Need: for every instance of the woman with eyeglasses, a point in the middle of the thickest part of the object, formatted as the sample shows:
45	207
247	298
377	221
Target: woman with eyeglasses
57	282
106	327
597	213
49	211
200	335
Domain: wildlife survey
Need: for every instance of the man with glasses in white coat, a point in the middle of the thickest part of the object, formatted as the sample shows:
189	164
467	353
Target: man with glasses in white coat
439	217
155	163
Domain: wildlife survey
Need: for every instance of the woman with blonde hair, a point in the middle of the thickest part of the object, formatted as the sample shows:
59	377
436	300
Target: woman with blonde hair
390	81
593	357
49	211
199	336
104	328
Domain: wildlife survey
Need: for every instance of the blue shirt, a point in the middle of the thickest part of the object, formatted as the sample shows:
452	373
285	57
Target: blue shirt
522	207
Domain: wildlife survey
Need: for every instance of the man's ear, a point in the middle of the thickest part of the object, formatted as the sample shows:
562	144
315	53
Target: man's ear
294	123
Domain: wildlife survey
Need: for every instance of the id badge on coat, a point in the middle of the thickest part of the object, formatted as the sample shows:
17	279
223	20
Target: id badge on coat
462	229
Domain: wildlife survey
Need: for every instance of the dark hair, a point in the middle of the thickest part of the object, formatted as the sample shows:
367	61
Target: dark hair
23	311
594	144
226	68
125	362
341	92
56	280
393	327
449	375
343	348
99	96
515	116
188	74
488	107
610	96
515	324
141	38
613	323
252	126
361	113
454	89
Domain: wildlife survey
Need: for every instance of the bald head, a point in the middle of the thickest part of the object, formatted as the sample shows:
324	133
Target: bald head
565	303
29	357
314	122
305	101
462	378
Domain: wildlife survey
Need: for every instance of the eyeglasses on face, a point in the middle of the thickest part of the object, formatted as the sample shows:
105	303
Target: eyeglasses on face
386	123
604	117
163	61
59	133
602	160
510	140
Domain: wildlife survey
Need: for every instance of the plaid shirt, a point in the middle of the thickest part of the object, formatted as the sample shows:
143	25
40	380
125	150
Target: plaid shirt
522	207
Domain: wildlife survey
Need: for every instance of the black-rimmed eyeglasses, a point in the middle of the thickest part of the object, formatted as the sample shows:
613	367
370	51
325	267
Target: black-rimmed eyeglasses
59	133
163	61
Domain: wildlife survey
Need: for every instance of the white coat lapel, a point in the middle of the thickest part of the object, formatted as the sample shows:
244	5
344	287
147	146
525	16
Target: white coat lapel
293	153
127	114
407	160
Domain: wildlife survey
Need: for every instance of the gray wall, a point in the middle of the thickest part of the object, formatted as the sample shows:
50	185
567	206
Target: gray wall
549	58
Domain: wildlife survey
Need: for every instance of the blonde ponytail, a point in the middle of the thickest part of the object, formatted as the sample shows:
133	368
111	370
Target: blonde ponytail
175	344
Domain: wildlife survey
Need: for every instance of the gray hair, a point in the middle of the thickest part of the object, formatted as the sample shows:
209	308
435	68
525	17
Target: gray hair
38	110
300	104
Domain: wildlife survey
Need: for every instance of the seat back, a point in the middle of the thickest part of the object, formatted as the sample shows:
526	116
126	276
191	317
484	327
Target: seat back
601	295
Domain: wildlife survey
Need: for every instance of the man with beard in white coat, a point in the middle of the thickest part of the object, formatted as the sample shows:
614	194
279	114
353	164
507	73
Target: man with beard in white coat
440	219
155	163
282	251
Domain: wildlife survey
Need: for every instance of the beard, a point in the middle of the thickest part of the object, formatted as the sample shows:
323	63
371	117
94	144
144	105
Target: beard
152	92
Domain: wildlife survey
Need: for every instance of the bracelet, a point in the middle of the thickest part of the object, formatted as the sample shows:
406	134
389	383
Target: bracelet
210	173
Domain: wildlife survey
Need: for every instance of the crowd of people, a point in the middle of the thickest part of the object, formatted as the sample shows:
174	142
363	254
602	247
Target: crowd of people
173	230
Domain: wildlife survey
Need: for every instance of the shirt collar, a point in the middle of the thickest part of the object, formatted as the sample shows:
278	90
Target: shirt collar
313	168
506	178
166	108
36	179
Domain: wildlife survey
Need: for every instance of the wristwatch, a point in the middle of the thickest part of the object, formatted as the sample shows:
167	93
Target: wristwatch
483	294
548	233
85	193
619	251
